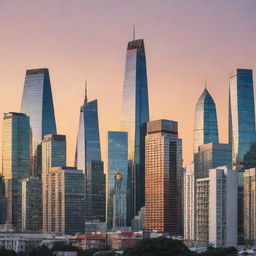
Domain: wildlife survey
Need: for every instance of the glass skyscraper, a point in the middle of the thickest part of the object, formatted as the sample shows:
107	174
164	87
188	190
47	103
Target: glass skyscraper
135	115
241	117
37	103
88	139
206	125
117	177
15	162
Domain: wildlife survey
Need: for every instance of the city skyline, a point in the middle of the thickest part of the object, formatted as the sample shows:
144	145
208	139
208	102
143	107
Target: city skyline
172	66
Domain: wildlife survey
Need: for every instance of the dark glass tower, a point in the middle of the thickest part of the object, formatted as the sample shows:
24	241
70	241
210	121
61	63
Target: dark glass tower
37	103
135	115
206	125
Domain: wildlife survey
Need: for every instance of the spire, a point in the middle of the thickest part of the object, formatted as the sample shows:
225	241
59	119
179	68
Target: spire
134	32
205	84
85	92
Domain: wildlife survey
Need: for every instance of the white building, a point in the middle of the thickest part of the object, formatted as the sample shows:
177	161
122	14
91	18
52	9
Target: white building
217	202
189	203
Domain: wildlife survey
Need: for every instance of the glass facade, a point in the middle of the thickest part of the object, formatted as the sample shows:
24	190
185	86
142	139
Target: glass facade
241	117
88	139
135	115
15	162
117	178
37	103
53	155
206	125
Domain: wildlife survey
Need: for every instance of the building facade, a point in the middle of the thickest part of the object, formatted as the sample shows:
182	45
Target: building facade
15	163
189	203
206	124
37	103
31	204
117	180
163	167
53	155
95	189
217	208
66	200
210	156
250	206
135	115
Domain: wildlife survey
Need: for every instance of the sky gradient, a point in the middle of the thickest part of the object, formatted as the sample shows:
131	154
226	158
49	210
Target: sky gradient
187	42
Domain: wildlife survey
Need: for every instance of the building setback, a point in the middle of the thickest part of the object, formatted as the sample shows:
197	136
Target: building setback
163	167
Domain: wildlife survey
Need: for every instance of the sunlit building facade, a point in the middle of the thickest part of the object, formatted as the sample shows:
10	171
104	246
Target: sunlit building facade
37	103
66	200
53	155
117	178
163	167
216	200
135	115
206	125
15	162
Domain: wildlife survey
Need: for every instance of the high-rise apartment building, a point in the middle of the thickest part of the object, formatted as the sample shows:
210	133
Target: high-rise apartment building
189	203
117	178
163	167
37	103
31	212
216	201
66	200
210	156
15	162
206	125
250	206
53	155
135	115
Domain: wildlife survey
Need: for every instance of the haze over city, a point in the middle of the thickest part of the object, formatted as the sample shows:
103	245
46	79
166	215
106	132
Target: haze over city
187	42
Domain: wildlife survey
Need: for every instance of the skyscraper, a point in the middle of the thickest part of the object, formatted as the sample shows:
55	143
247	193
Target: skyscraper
135	115
15	162
117	177
163	164
37	103
241	116
88	139
206	125
53	155
242	130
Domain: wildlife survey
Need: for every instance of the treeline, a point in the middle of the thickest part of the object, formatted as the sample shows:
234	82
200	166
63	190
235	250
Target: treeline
146	247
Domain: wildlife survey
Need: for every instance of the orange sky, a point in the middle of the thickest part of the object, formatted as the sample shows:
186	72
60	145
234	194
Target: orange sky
186	42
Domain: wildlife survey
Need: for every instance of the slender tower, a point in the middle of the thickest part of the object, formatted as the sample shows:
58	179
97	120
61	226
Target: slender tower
37	103
135	115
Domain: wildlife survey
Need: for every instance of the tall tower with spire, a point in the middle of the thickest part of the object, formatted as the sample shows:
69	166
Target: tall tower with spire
88	138
135	115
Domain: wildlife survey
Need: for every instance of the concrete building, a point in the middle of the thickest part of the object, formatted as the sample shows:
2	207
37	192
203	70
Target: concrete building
31	204
138	222
189	203
250	206
216	201
163	175
66	197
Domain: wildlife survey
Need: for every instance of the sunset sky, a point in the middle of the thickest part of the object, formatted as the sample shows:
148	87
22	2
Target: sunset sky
187	42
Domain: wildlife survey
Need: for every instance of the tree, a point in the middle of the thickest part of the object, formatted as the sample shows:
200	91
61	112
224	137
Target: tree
159	247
